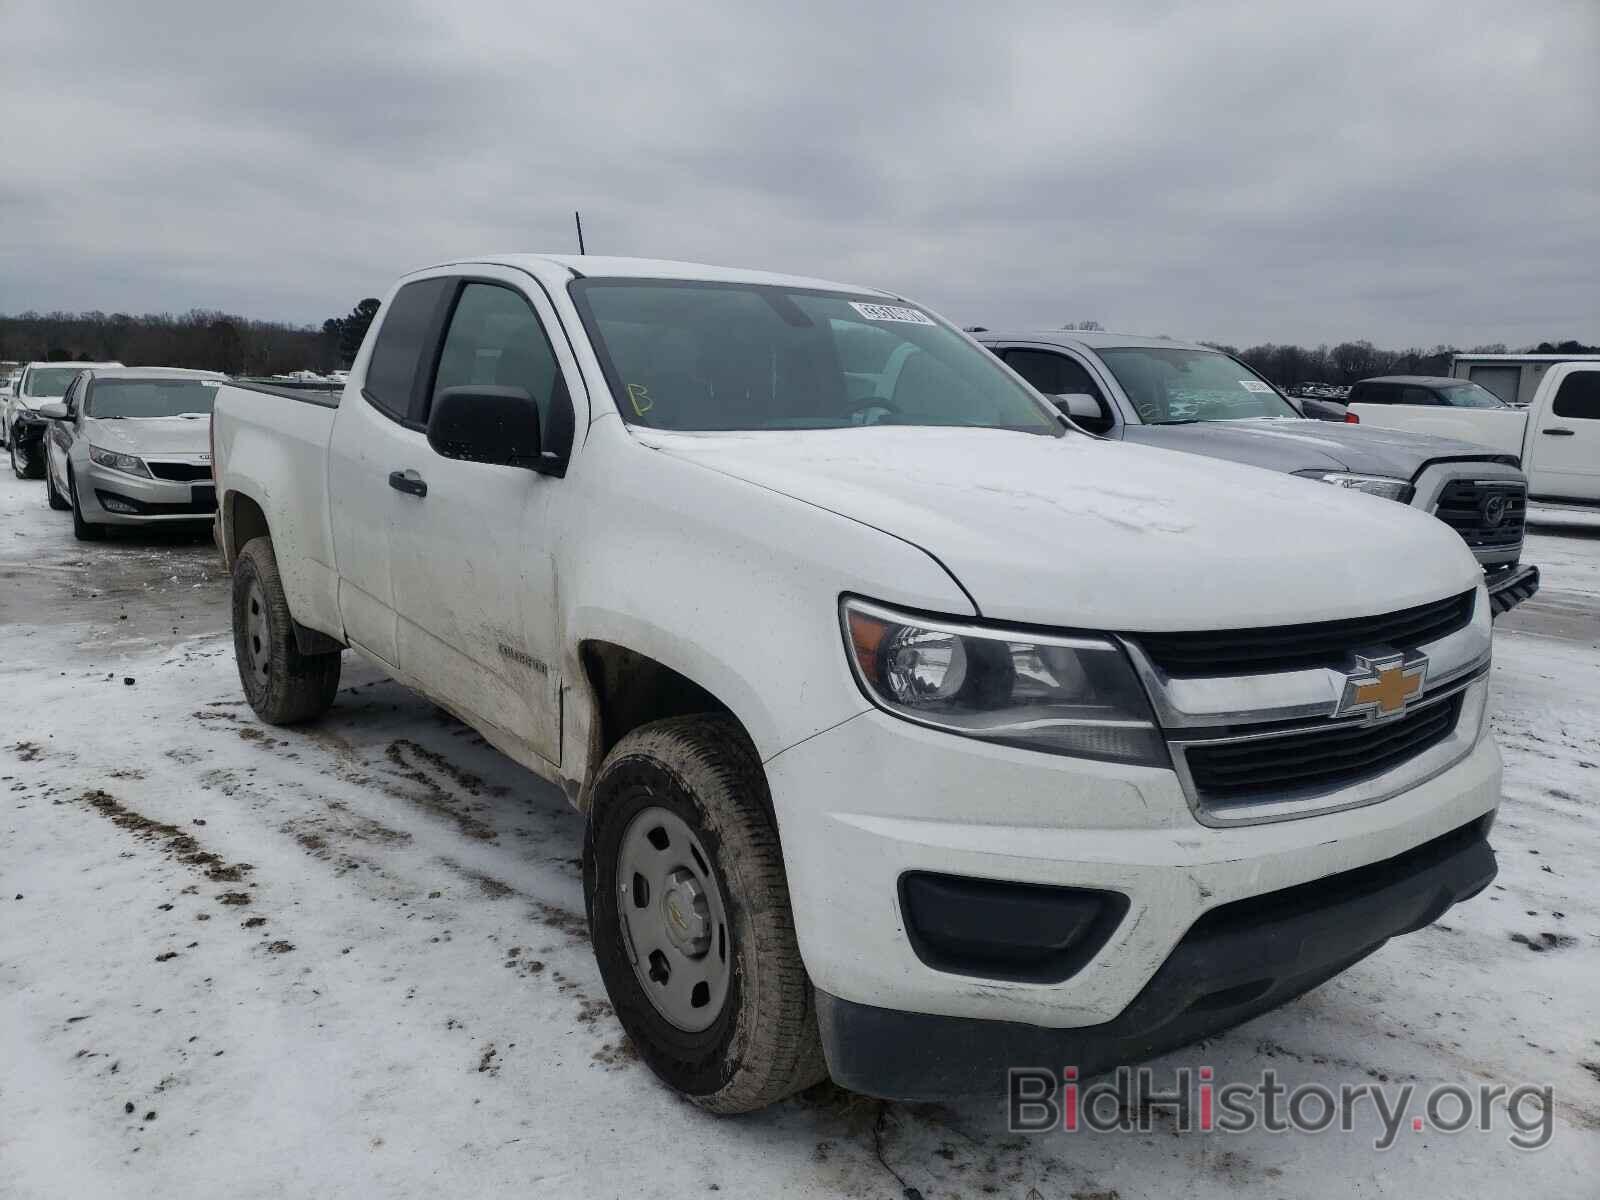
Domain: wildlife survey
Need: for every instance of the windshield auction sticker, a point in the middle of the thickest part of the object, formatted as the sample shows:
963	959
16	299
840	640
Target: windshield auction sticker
1254	385
891	312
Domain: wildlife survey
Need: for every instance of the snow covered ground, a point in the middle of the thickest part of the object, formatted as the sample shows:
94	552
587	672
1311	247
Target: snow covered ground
350	960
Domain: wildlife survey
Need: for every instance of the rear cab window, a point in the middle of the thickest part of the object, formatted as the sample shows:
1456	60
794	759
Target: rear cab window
408	327
1579	397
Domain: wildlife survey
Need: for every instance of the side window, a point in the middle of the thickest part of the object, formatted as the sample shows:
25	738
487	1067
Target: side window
1039	368
1419	395
495	338
407	324
1579	397
1058	375
1075	377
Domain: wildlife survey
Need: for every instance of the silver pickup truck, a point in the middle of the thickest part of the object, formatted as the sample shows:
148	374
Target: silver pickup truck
1192	398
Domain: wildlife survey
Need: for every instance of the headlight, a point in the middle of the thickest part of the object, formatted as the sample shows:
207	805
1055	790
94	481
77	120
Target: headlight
1062	695
118	462
1374	485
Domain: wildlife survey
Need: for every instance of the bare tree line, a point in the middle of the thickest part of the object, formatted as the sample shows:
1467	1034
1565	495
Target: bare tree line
203	338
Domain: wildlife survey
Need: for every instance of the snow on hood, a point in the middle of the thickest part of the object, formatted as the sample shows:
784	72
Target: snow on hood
150	436
1296	445
1075	531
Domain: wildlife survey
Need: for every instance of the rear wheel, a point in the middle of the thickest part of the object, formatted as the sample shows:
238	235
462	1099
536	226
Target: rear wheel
283	685
81	529
690	919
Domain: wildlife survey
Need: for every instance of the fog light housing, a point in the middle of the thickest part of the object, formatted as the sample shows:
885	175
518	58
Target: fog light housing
111	502
994	929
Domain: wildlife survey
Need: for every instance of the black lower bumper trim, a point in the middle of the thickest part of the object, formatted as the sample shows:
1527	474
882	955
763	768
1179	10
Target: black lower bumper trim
1511	586
1238	961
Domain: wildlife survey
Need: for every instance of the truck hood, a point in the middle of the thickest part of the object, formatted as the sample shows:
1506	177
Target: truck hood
1293	445
1079	532
150	436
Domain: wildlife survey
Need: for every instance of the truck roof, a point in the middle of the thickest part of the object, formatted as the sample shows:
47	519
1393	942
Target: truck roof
599	266
1525	358
1423	380
1088	339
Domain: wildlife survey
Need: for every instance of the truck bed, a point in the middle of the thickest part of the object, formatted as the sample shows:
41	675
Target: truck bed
270	440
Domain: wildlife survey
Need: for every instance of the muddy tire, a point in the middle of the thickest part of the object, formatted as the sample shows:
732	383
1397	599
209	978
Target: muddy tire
21	467
81	529
722	1010
57	500
283	685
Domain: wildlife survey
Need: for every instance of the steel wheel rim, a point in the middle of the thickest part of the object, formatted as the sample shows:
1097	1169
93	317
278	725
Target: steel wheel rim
674	921
258	636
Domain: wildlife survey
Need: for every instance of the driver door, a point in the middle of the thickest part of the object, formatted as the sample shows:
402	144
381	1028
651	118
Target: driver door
473	563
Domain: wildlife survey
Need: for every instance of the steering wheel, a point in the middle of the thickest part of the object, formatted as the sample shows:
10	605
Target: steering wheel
871	402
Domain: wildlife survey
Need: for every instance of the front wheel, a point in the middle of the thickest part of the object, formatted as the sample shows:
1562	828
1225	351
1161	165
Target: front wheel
689	914
283	685
81	529
57	500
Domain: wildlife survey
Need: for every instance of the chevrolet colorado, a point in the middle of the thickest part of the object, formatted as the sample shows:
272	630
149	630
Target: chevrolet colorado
1161	392
918	734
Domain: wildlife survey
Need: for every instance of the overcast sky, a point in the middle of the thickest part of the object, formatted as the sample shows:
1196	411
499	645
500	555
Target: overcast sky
1410	171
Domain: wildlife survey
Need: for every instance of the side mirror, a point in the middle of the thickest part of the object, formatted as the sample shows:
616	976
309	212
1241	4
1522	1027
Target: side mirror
54	412
1078	405
484	423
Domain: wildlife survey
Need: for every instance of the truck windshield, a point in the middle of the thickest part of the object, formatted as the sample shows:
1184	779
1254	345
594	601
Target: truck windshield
1470	395
1172	386
692	355
45	382
110	398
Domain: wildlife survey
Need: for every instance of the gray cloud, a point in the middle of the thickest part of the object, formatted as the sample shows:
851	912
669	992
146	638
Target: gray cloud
1413	173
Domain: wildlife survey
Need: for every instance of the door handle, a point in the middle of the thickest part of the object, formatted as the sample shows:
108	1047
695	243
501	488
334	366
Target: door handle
1556	432
408	482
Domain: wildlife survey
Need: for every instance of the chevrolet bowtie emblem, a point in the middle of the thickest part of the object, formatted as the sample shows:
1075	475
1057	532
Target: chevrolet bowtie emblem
1382	686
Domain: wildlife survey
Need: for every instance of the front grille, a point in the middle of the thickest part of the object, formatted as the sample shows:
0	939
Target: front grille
1466	506
179	472
1327	758
1299	647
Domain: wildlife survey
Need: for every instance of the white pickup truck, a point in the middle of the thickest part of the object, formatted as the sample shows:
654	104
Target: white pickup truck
918	734
1556	437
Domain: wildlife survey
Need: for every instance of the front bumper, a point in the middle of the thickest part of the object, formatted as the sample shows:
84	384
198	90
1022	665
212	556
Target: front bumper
27	438
862	804
1510	586
110	497
1236	962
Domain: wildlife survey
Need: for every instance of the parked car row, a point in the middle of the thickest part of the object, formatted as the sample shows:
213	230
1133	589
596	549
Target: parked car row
918	731
115	445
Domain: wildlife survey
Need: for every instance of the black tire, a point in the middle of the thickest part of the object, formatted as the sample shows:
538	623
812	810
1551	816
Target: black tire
763	1044
57	500
21	469
81	529
293	687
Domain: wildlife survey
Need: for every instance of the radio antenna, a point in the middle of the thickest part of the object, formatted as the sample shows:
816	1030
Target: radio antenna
577	218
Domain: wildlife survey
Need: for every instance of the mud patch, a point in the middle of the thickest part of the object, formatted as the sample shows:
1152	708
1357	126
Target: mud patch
28	751
1545	941
234	898
436	798
280	947
617	1055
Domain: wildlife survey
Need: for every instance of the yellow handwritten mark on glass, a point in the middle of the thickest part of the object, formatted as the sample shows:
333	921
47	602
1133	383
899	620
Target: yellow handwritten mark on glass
639	397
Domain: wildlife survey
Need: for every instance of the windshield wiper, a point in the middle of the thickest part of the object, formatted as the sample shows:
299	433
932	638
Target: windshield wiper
1184	421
